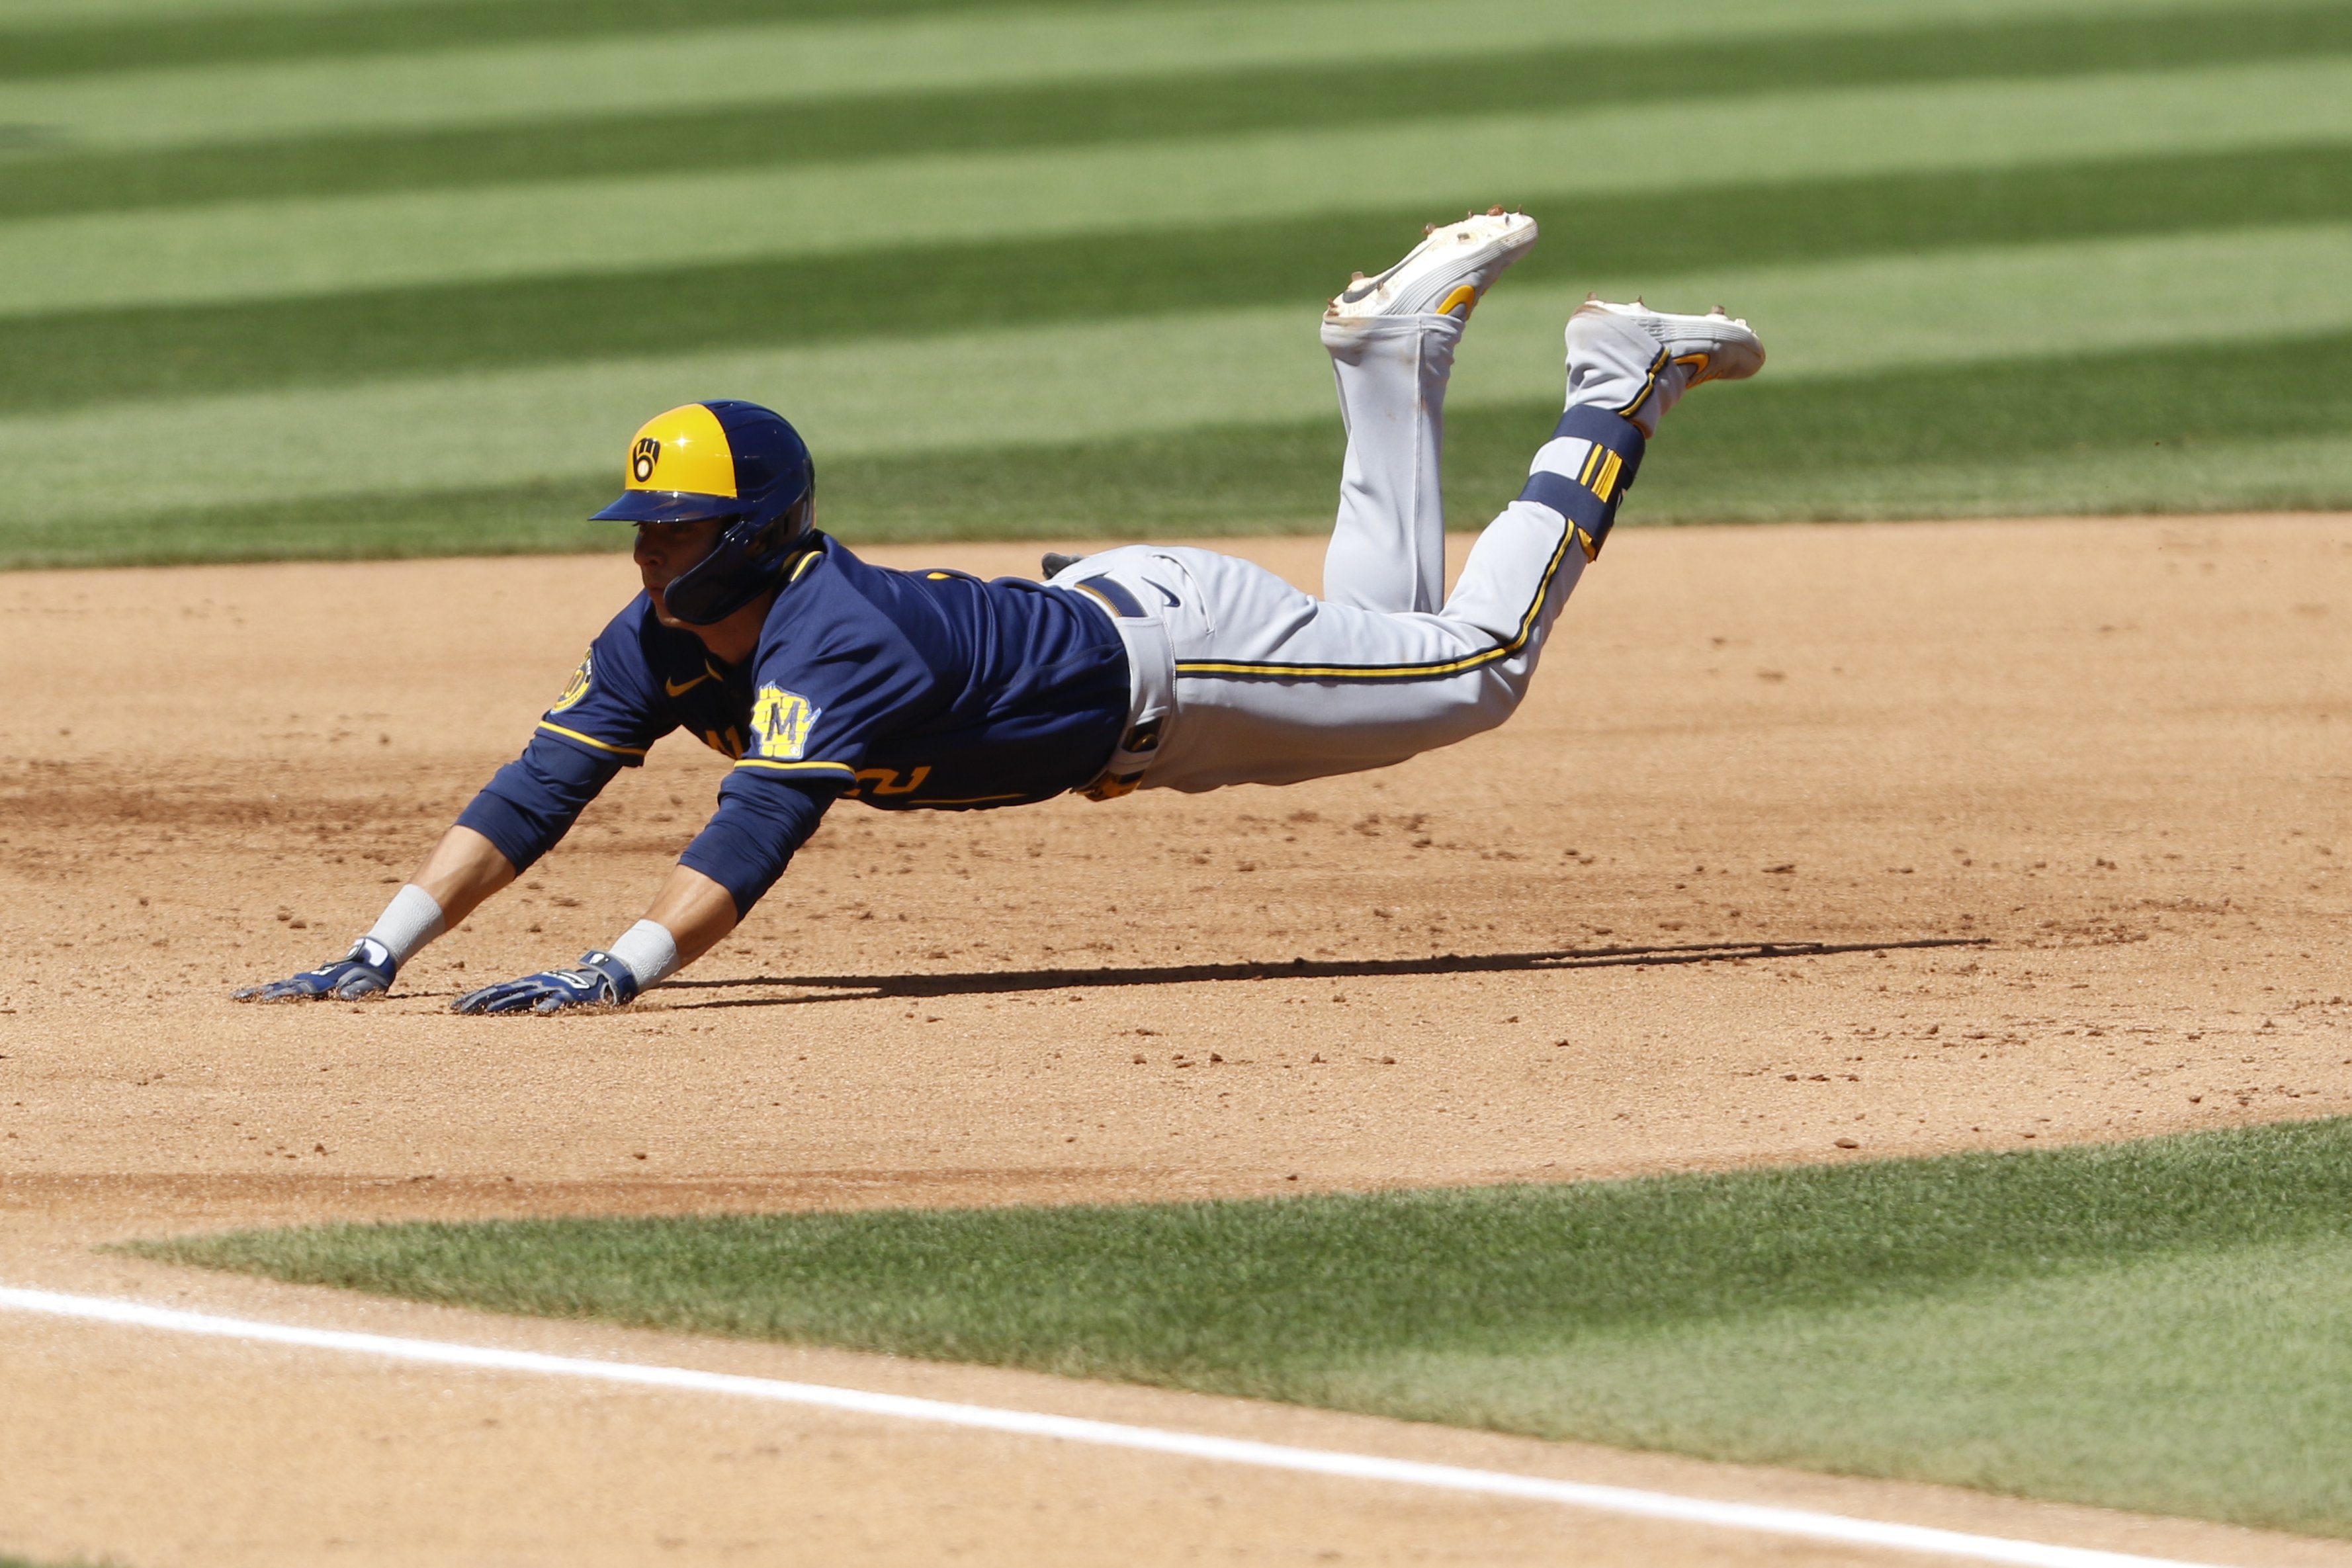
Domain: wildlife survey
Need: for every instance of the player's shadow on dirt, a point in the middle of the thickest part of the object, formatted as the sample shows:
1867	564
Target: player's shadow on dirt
991	983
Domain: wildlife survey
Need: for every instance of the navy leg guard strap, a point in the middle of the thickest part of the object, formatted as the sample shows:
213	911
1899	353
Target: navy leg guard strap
1584	470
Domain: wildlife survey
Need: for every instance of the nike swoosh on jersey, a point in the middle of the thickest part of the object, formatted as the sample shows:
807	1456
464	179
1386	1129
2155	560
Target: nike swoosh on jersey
680	688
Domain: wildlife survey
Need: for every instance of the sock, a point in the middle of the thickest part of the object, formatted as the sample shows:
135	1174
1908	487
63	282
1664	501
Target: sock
407	923
650	950
1584	470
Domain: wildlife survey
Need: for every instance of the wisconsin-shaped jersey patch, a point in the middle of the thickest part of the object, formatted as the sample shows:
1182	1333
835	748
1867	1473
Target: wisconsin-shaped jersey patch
781	722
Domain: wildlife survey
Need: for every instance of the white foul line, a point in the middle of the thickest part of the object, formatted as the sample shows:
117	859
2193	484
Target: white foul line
1753	1516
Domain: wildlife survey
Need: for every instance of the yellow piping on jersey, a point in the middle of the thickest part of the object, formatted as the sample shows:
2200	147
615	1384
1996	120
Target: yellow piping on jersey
797	767
593	740
1366	672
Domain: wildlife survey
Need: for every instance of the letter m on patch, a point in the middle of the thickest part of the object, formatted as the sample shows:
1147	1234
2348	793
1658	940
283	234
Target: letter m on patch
781	722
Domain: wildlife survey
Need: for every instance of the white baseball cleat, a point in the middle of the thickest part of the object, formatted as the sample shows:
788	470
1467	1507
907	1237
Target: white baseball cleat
1637	362
1446	274
1713	347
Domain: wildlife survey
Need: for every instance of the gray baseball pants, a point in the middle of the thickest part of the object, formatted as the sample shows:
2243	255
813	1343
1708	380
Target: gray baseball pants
1240	678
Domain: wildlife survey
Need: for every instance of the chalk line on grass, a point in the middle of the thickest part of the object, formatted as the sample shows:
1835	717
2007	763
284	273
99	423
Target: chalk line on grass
1624	1500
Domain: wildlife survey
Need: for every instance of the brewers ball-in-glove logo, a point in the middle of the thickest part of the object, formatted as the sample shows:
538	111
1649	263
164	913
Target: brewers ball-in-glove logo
779	724
578	686
642	458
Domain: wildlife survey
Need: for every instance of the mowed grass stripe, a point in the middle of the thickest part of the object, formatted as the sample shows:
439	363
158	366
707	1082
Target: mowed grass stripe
2186	427
2283	473
59	361
1096	379
53	38
2032	1322
976	389
594	135
1056	77
533	518
2173	428
2205	1384
2179	429
87	38
2168	430
261	250
699	67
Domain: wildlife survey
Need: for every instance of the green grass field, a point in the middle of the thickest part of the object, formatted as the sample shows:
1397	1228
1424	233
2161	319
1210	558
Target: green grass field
2164	1325
304	277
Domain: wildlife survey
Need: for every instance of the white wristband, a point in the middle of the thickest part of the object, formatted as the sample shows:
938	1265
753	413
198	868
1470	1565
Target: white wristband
650	950
407	923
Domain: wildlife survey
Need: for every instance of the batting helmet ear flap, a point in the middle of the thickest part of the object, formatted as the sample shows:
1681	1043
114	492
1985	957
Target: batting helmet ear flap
748	560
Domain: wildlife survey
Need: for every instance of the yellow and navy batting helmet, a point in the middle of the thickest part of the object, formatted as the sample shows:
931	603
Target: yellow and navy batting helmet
723	459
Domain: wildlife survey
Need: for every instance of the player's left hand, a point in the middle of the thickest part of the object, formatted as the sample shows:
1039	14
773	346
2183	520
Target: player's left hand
601	981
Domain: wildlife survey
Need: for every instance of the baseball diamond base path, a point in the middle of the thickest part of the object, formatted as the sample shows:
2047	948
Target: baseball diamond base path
2112	754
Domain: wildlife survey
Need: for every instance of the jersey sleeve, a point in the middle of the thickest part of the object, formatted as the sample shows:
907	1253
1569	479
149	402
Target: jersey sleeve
613	706
821	698
822	688
762	820
604	720
532	802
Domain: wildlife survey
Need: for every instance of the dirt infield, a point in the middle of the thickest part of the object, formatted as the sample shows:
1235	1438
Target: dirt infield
2109	756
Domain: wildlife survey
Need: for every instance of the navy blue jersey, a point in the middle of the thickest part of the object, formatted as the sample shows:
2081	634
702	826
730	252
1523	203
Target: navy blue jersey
903	690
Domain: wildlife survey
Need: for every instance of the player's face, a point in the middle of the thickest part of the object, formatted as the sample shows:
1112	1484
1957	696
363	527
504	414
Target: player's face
664	549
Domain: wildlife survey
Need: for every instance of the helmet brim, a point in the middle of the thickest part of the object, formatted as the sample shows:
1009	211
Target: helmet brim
669	506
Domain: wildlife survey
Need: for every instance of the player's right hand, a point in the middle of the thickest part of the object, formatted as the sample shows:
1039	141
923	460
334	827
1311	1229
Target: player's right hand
366	971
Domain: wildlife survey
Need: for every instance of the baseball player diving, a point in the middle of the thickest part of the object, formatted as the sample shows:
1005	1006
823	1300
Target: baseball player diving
823	678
